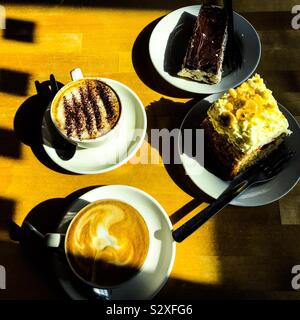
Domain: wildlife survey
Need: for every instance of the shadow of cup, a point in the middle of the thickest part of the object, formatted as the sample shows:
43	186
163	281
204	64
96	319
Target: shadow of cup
28	122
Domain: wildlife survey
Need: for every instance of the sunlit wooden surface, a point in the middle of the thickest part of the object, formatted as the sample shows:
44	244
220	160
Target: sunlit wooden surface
242	252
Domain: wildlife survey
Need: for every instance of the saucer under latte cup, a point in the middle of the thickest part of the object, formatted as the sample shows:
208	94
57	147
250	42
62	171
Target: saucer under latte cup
156	269
86	111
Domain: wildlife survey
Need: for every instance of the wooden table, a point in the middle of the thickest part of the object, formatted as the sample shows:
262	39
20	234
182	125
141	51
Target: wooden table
243	252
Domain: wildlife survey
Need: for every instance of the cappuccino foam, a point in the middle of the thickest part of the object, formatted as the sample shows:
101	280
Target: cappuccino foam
107	242
86	109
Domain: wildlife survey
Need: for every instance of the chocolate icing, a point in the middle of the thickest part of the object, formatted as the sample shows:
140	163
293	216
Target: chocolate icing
205	51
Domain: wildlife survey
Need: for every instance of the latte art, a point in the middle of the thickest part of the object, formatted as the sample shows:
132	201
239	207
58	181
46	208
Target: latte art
107	242
86	109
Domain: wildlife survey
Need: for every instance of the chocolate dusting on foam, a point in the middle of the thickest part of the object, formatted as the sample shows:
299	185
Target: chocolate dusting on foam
94	105
69	117
104	92
88	110
79	116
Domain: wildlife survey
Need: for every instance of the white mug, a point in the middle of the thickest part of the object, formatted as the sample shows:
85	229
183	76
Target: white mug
77	75
158	263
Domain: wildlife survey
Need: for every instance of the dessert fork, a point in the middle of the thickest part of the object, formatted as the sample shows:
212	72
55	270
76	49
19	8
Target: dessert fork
265	170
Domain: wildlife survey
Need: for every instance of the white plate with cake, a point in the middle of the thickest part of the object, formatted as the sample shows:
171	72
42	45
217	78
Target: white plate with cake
93	151
241	127
184	49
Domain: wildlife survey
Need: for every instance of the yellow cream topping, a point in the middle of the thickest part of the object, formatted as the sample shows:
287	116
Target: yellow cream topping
248	115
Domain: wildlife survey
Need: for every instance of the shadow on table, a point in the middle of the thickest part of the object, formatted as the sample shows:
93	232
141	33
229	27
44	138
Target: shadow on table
145	69
149	4
28	127
10	145
45	217
14	82
20	276
282	81
177	289
19	30
7	209
167	114
264	21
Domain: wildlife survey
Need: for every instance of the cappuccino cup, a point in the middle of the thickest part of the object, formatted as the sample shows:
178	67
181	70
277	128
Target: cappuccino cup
86	111
106	243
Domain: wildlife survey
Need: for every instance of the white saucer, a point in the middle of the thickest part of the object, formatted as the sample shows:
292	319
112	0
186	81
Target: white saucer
258	195
115	150
159	262
168	25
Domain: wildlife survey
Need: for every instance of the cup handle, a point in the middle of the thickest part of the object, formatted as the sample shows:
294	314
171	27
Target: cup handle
76	74
54	240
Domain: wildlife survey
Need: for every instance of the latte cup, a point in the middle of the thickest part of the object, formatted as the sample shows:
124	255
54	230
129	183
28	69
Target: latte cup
111	131
137	252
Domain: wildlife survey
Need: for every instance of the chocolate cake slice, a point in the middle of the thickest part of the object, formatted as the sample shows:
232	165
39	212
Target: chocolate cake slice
205	53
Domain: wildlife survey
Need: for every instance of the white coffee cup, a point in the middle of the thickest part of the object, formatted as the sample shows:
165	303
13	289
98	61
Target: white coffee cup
158	264
76	75
62	241
137	246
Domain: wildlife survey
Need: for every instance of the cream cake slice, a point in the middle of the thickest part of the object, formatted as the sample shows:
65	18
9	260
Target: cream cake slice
244	125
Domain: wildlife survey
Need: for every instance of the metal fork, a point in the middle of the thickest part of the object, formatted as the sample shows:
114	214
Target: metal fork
233	54
264	171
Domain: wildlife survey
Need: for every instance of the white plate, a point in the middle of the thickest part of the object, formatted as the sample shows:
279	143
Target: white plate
160	259
115	150
158	44
258	195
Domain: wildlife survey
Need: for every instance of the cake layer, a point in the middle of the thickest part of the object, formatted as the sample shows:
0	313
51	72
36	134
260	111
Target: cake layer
205	53
230	158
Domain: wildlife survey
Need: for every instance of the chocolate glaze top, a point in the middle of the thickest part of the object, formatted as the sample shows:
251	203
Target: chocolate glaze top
206	47
87	109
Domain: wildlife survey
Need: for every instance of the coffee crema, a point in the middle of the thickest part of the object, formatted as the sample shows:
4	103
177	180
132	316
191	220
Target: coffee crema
107	243
86	109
